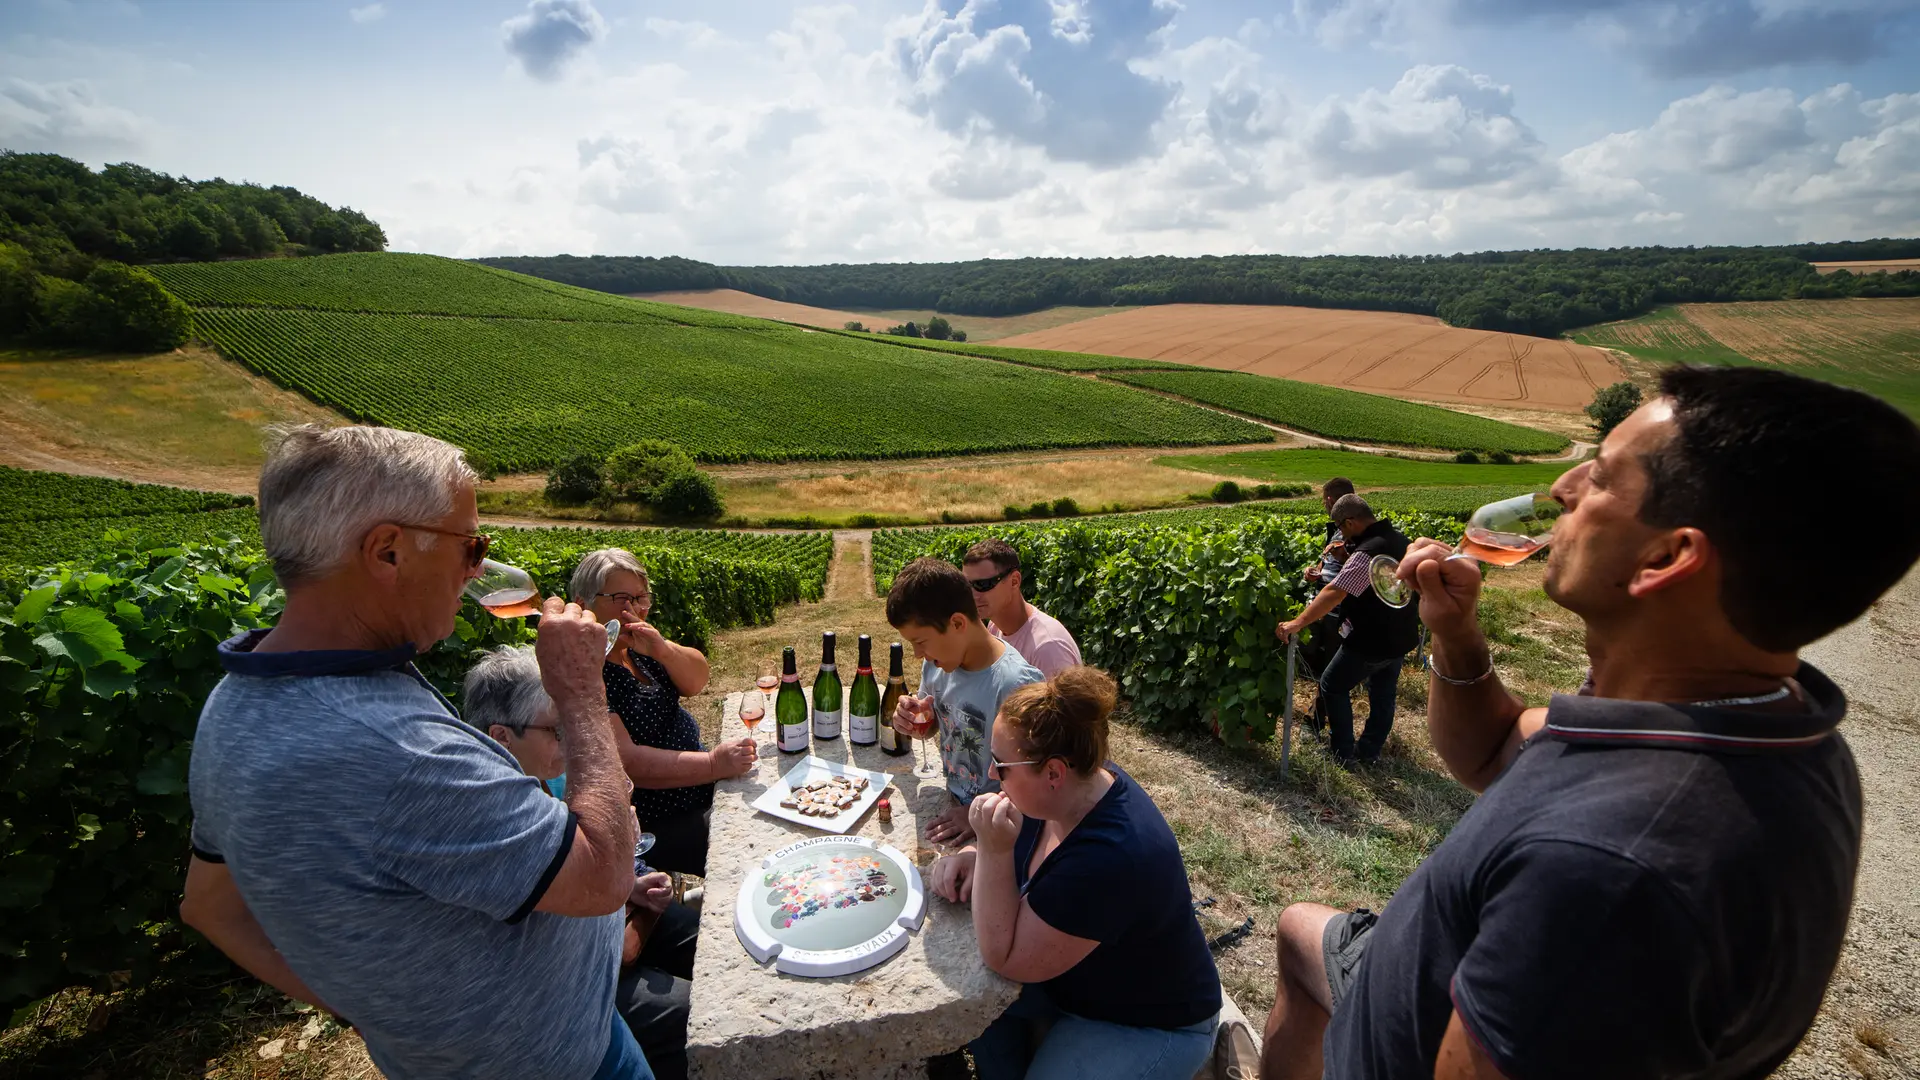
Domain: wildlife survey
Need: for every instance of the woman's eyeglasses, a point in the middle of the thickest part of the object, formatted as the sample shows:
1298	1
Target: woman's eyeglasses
633	600
477	543
987	584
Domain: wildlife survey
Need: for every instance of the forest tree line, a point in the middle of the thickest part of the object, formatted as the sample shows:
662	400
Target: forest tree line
69	239
1542	292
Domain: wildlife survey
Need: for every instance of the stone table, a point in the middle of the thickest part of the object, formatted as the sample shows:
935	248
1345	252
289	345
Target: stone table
750	1021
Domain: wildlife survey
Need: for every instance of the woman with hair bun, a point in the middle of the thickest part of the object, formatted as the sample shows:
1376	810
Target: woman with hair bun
1079	893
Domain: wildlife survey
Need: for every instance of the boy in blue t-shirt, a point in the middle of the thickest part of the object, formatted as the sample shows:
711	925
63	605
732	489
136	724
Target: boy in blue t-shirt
965	673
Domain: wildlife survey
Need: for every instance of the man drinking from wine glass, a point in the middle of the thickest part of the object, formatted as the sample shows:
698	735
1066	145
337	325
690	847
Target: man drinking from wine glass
1374	637
1658	873
357	845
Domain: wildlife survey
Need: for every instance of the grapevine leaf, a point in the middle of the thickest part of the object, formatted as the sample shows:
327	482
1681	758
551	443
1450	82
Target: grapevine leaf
34	604
218	583
167	571
85	827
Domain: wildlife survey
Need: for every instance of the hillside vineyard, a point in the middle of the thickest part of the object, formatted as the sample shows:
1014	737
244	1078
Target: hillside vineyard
527	372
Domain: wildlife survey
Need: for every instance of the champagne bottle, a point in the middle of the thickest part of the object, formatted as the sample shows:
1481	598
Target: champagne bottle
891	741
826	693
790	707
863	700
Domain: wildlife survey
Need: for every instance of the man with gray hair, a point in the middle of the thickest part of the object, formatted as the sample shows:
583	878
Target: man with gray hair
1375	638
358	846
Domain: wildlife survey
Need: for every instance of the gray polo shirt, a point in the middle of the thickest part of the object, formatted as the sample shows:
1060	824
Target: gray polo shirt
394	854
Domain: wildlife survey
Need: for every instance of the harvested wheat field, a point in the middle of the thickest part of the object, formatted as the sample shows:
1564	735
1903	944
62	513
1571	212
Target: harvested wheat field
735	302
1844	333
979	328
1880	266
1409	356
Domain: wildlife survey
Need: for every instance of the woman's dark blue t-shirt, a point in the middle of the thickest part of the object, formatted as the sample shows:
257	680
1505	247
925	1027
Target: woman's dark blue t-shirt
1117	879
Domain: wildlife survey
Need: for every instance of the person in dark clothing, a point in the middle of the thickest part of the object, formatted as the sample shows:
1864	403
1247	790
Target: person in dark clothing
1317	649
646	676
1657	875
1374	638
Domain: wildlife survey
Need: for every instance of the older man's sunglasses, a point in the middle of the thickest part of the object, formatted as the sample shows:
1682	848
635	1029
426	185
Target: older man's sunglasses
987	584
477	543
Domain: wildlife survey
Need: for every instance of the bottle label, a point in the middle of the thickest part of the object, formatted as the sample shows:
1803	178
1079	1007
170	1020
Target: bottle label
826	725
793	737
863	729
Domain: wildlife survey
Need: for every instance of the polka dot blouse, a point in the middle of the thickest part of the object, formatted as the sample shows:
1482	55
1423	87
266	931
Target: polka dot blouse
652	714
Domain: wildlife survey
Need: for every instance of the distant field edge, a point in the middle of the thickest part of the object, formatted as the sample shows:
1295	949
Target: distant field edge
1867	344
1335	413
1051	359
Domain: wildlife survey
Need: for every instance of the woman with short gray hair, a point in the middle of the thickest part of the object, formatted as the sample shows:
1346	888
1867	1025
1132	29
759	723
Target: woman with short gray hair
659	740
502	696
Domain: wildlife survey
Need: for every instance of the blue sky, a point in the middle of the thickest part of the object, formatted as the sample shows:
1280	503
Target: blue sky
758	132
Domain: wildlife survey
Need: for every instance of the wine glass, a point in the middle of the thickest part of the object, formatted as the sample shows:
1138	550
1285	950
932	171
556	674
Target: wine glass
921	730
1502	533
508	592
753	709
768	682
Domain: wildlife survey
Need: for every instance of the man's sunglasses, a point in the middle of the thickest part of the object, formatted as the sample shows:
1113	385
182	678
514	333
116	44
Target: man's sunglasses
987	584
477	543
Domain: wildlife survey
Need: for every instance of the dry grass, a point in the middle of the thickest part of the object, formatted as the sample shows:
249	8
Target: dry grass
1408	356
1880	266
186	417
1120	481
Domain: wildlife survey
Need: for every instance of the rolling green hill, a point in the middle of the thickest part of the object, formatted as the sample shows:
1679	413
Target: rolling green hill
528	371
1344	414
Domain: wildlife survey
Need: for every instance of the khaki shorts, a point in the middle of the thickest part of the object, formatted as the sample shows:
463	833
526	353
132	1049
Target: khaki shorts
1342	946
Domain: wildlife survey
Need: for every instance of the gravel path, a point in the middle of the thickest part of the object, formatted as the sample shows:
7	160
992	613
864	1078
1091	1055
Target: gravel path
1870	1025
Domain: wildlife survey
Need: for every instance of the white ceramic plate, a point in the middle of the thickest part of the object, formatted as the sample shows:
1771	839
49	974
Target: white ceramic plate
832	905
805	772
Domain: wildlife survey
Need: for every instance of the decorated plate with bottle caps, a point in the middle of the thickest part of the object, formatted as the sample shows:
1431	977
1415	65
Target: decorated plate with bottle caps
827	795
829	906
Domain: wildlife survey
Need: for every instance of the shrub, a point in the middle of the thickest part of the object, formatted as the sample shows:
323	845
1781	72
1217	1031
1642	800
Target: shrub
1466	457
136	313
634	471
1012	513
575	482
938	328
1040	509
688	494
1612	404
1500	457
854	325
1226	491
958	335
1065	507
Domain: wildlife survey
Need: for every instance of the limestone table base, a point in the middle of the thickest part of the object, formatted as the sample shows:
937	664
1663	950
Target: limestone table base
750	1022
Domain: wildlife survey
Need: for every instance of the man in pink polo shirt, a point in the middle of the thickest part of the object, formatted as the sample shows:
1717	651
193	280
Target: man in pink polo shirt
992	568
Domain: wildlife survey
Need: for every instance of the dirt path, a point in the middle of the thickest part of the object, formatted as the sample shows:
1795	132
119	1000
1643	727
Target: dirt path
1870	1024
851	575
